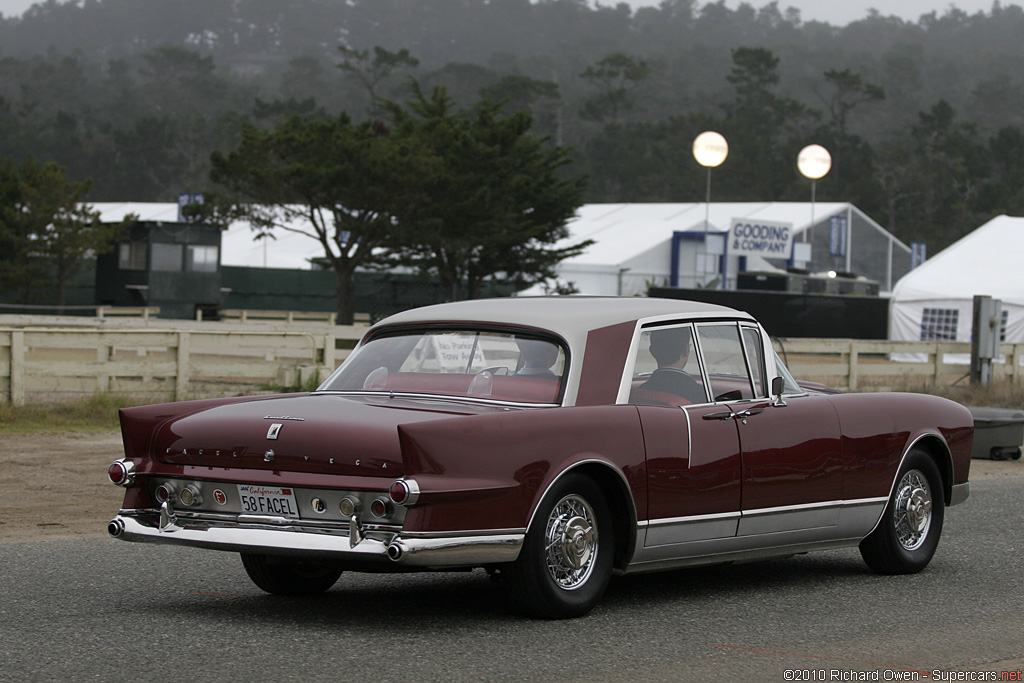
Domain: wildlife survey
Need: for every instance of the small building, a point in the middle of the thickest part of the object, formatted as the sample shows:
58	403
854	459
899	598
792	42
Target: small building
171	265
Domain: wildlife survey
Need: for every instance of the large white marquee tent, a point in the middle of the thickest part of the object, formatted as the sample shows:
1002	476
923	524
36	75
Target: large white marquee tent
665	244
935	301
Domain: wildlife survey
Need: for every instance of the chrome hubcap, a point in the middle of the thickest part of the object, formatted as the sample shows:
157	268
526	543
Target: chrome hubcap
912	511
571	547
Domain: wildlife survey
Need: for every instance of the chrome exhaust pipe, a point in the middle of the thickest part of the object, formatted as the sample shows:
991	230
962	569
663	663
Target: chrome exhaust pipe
115	527
395	552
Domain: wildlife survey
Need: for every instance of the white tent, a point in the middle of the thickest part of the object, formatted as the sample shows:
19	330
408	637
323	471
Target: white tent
667	244
935	301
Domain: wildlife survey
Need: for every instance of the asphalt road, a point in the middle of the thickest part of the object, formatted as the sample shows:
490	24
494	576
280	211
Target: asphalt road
101	609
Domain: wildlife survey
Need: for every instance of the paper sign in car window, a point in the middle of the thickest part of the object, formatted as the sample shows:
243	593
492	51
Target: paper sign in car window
454	351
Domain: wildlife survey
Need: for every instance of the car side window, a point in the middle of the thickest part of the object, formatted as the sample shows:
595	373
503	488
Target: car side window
666	370
725	361
755	359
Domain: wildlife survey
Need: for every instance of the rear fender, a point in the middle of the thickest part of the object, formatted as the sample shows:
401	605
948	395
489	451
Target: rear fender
491	471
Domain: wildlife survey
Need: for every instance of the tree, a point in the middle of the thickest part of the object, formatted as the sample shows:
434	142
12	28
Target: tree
617	74
496	202
767	127
370	72
331	180
45	230
542	99
850	91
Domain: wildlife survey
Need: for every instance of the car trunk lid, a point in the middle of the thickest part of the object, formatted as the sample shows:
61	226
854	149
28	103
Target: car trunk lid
319	433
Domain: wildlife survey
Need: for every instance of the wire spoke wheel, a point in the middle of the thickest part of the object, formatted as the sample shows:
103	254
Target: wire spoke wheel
566	559
912	514
571	542
906	537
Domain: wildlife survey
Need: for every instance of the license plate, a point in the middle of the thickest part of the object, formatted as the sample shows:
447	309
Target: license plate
268	500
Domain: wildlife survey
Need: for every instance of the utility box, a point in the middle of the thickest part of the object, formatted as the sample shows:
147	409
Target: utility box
986	331
998	433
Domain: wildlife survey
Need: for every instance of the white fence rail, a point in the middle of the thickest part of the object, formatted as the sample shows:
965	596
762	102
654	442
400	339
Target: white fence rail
40	364
863	365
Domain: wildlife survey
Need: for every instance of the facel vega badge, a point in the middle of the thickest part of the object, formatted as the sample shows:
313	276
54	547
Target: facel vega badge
274	430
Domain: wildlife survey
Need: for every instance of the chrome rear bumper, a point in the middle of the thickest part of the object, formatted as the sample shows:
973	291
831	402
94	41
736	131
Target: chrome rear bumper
291	537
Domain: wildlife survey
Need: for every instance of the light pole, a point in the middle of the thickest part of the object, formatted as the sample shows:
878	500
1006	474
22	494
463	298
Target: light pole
709	149
814	162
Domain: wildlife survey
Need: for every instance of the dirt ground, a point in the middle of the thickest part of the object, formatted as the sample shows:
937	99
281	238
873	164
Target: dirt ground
55	485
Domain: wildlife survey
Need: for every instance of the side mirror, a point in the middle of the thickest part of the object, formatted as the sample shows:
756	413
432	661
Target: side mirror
778	385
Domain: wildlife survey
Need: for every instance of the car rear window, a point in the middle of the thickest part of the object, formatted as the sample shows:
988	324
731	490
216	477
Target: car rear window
475	364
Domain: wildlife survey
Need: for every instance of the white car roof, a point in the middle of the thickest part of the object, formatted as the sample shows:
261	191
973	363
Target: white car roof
565	315
573	318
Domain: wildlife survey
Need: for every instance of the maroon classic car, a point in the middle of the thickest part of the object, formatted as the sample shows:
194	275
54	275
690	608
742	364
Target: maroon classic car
552	442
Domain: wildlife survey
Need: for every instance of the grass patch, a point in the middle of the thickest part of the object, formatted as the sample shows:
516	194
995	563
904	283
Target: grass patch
95	414
999	394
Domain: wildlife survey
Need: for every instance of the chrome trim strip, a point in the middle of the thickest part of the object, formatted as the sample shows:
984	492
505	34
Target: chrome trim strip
664	521
959	493
458	534
435	397
764	511
689	439
420	550
812	506
839	518
570	468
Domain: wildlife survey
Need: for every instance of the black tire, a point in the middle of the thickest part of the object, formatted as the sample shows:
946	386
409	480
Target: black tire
287	576
565	576
908	533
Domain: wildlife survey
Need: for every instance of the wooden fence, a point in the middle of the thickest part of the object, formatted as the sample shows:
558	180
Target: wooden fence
860	365
40	364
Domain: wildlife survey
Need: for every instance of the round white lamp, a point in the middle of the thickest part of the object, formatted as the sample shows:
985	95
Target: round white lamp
709	149
814	162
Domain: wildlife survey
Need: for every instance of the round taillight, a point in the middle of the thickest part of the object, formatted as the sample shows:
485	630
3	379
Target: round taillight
379	507
399	491
404	491
348	506
121	472
162	493
190	495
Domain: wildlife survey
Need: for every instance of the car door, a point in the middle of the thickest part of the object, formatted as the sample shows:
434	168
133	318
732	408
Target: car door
693	464
791	453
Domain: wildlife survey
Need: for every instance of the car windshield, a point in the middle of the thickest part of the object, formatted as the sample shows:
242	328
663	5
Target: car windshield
474	364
